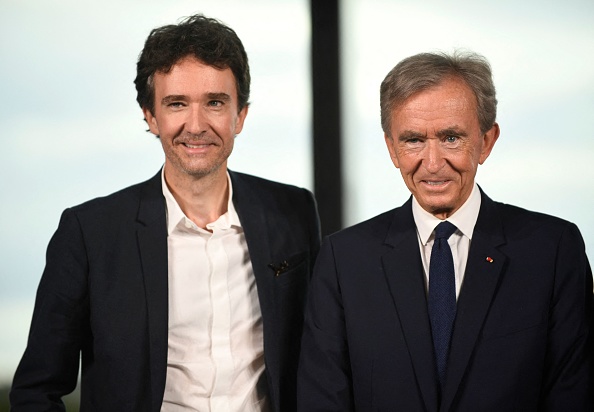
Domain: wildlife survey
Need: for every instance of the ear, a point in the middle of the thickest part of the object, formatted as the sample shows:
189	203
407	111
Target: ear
392	149
489	140
151	120
240	119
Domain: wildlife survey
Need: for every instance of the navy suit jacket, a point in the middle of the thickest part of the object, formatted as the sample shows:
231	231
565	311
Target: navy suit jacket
104	294
520	335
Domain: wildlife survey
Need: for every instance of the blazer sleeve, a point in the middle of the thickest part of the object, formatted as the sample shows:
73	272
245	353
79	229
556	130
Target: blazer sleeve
324	377
567	381
49	367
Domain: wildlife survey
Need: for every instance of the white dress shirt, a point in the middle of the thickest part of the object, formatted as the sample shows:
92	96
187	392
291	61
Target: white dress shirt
464	219
215	360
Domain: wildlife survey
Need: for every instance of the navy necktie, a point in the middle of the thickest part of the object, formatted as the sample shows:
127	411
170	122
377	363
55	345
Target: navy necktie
442	295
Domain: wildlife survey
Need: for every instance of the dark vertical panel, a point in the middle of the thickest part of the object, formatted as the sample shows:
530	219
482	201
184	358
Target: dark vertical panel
326	113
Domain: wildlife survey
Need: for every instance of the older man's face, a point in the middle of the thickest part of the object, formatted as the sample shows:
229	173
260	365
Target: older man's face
437	144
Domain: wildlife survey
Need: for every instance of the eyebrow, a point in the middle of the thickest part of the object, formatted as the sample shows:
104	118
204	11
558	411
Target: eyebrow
219	96
180	97
173	98
451	131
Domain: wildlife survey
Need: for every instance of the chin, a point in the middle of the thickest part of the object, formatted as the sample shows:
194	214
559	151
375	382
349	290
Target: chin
438	208
441	210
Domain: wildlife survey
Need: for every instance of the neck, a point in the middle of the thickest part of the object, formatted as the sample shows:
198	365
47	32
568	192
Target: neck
203	199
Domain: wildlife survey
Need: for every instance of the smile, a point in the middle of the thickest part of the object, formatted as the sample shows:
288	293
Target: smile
196	146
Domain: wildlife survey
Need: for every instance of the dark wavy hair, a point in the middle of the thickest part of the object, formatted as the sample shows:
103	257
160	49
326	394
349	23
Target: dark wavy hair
422	71
206	39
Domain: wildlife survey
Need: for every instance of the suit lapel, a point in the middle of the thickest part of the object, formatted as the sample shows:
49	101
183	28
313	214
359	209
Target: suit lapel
254	217
483	269
152	244
255	226
404	272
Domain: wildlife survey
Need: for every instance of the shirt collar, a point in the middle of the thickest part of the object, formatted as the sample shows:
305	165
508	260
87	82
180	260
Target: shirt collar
464	218
175	216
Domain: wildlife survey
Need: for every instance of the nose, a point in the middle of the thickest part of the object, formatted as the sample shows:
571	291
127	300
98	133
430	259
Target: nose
195	120
433	158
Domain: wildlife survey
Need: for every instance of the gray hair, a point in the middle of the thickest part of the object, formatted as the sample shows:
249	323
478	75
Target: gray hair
425	70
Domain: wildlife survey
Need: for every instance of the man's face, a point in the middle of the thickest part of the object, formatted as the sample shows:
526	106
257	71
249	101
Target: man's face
196	118
437	144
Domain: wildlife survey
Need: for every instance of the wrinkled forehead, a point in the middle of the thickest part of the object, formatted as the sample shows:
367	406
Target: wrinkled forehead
451	95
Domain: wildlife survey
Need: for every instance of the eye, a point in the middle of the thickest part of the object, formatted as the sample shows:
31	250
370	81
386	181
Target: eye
175	105
413	141
451	139
215	103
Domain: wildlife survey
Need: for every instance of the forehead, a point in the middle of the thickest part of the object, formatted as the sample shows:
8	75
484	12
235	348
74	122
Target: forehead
190	75
449	100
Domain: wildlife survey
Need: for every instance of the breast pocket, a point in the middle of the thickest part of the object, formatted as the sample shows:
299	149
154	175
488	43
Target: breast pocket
513	319
292	269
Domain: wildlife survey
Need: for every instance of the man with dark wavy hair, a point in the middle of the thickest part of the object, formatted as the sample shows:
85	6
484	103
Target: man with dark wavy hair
451	302
184	292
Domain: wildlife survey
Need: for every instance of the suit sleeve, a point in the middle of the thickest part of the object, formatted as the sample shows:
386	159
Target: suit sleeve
567	383
49	367
324	377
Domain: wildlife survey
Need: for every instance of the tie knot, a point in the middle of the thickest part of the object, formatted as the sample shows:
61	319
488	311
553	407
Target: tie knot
444	230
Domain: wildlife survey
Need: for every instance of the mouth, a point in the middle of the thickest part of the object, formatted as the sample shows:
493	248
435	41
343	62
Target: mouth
435	182
435	185
196	146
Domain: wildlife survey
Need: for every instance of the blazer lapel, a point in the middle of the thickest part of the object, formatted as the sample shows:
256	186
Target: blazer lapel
483	269
254	217
152	245
255	227
404	272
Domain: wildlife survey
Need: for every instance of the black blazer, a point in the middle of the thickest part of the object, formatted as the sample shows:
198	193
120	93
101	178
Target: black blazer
104	294
519	339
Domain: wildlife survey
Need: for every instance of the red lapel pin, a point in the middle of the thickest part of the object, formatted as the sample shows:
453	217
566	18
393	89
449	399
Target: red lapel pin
489	259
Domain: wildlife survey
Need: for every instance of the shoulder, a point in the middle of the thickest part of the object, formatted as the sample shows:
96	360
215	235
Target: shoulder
249	189
521	219
124	203
373	231
106	221
522	225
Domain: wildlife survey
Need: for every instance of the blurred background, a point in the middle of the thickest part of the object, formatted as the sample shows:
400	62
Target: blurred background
72	129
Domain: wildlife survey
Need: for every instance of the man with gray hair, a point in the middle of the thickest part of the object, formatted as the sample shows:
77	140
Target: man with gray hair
451	302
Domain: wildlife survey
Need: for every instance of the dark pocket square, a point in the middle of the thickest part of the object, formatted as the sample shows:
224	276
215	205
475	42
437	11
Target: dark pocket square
288	264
